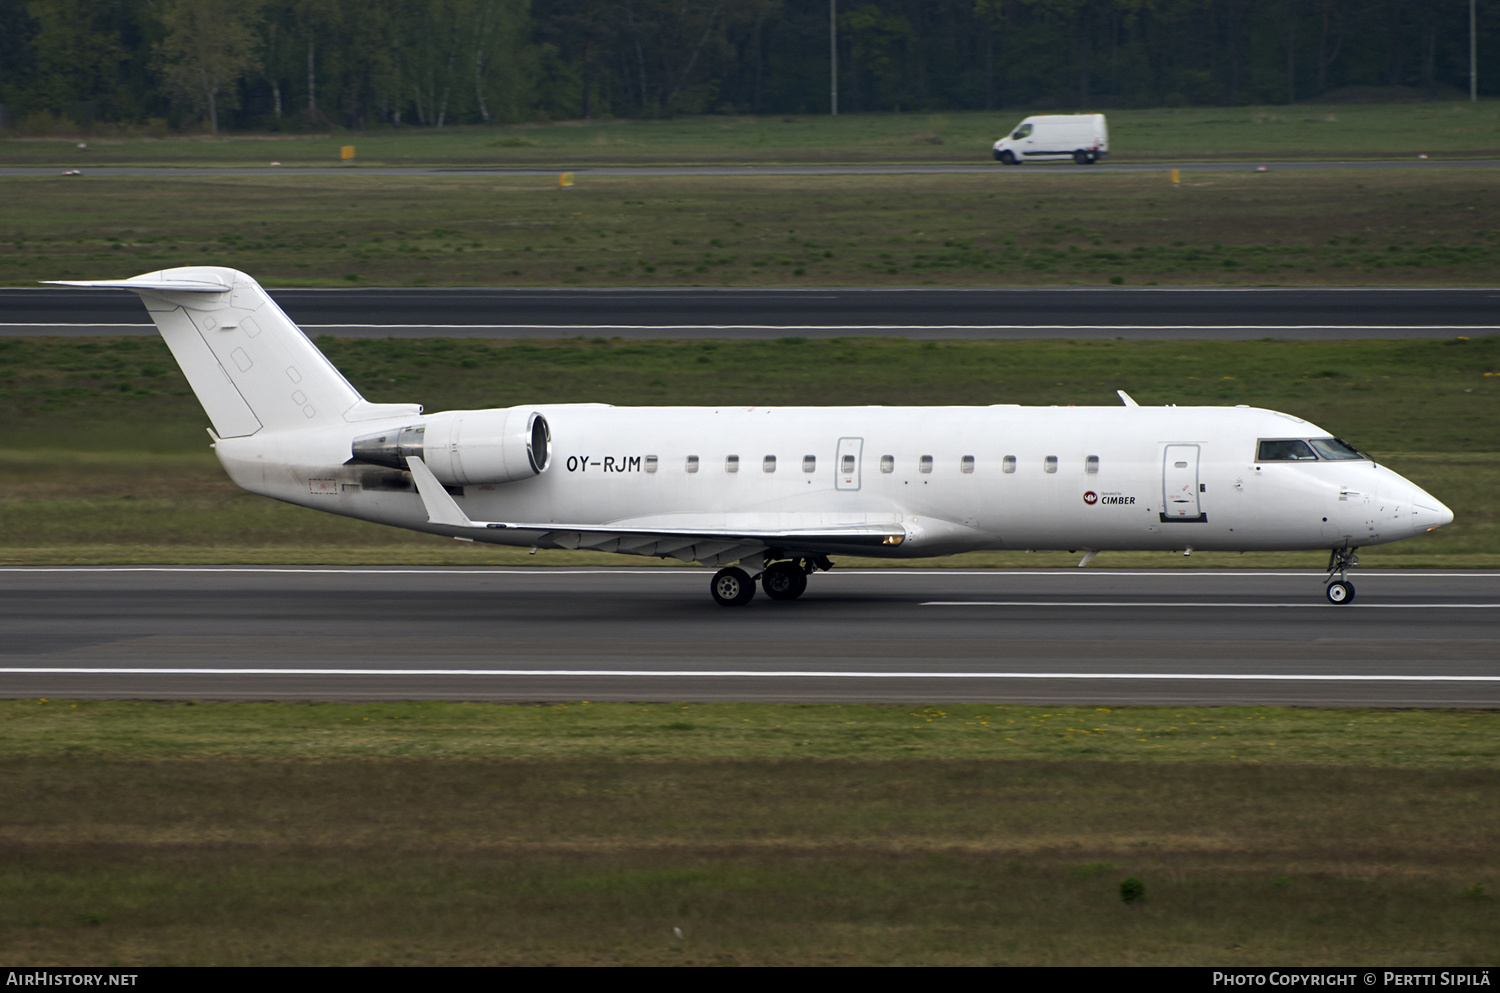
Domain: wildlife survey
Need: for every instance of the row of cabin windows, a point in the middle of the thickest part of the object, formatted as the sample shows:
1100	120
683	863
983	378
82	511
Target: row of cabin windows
887	463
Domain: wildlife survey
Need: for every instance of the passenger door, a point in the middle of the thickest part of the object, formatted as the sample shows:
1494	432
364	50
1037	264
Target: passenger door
1180	487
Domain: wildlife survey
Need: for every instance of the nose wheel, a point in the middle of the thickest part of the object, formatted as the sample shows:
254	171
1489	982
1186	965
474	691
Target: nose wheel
1340	590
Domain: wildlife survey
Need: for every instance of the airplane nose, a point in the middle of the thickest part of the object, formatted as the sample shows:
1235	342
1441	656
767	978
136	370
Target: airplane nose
1428	512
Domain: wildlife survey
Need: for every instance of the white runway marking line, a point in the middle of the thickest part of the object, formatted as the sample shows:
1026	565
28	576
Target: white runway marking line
747	674
916	327
1215	605
829	327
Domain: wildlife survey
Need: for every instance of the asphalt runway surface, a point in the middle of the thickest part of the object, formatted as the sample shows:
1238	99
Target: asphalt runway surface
923	313
1410	639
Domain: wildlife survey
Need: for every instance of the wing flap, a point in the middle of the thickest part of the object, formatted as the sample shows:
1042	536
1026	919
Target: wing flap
691	544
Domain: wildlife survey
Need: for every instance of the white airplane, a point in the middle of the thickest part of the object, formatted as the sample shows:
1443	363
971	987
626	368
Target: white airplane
767	493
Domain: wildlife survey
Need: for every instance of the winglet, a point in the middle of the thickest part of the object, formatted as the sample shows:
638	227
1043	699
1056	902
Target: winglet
441	508
1126	397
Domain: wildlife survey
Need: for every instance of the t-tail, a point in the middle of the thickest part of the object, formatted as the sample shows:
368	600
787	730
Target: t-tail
251	367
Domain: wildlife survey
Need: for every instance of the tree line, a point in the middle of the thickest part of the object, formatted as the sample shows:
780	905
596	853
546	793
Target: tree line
311	64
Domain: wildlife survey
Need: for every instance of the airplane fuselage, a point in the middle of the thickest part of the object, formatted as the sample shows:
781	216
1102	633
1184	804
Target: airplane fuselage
955	478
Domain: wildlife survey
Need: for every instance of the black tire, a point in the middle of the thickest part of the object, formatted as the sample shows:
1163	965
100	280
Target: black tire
732	587
1081	157
1008	157
784	581
1340	592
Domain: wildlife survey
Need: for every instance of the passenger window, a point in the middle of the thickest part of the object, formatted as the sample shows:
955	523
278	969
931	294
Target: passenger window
847	465
732	463
966	464
887	463
768	464
692	463
1285	451
1008	464
651	463
1091	465
1050	464
809	463
924	464
1022	131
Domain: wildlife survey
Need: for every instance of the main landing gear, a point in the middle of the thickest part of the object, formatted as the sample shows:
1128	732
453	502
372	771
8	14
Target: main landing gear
785	580
1340	590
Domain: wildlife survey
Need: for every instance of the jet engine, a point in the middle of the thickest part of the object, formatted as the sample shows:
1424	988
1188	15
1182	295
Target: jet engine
466	447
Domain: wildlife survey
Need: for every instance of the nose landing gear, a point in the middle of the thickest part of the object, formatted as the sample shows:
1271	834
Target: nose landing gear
1340	590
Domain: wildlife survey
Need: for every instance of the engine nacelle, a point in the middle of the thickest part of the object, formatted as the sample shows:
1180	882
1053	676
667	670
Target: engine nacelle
466	447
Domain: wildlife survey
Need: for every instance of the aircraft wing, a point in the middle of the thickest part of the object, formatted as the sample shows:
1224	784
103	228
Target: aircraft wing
710	545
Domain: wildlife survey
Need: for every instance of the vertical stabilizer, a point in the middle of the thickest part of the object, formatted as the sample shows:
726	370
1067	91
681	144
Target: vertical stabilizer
250	366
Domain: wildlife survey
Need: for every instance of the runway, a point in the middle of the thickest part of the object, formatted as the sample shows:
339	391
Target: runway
921	313
1423	639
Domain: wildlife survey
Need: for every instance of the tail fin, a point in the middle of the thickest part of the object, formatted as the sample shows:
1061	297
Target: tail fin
250	366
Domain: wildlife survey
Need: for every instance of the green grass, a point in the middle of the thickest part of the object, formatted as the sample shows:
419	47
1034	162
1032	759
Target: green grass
129	731
1452	129
1384	395
1022	227
146	833
109	460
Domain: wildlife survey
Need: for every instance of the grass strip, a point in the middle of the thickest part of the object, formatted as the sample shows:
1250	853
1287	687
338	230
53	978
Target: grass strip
1034	226
146	833
128	730
1417	396
1264	133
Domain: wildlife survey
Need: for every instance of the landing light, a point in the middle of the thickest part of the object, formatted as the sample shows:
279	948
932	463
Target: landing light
894	539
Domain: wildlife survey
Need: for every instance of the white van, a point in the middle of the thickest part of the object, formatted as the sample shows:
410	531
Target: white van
1084	138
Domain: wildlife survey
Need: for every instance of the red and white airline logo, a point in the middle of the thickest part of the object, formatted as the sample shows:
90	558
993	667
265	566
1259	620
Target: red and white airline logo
1090	498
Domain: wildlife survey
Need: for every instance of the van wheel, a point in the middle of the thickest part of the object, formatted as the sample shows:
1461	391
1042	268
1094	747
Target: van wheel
1081	157
1007	157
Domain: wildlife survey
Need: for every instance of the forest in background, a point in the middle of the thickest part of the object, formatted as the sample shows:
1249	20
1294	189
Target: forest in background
309	65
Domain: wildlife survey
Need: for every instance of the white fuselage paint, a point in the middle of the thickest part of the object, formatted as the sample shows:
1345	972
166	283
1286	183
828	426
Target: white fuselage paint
597	475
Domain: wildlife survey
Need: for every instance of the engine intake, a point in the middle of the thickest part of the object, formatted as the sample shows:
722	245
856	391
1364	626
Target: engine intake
466	447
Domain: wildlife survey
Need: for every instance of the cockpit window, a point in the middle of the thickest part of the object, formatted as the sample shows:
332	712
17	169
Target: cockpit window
1334	449
1285	451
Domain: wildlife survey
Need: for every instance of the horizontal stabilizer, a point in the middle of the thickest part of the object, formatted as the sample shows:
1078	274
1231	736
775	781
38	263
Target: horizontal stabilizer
151	281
